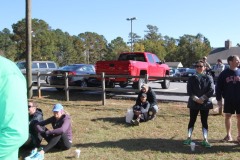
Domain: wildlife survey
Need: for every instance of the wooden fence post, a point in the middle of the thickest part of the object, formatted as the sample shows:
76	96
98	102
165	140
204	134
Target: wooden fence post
39	85
103	89
66	86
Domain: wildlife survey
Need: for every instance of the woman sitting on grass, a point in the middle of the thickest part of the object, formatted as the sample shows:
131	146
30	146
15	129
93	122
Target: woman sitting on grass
141	111
200	88
60	136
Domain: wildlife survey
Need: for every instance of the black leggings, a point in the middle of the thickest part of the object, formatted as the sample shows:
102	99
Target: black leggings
193	118
58	141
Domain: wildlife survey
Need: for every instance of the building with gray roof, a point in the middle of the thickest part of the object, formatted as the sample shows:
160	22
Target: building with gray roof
222	53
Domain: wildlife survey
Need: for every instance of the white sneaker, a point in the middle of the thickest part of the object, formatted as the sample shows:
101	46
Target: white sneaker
38	156
33	152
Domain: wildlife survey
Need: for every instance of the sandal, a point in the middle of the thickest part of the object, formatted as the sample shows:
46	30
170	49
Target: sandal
228	139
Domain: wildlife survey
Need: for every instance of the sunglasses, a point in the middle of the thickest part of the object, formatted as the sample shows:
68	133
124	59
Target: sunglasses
198	66
29	106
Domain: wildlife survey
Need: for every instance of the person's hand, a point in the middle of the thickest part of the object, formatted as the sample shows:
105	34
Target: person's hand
200	101
47	133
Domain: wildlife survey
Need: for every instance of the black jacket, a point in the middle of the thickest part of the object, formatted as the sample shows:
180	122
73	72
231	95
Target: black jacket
199	86
33	119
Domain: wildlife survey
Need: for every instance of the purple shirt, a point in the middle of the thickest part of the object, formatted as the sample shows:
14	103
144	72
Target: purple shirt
63	125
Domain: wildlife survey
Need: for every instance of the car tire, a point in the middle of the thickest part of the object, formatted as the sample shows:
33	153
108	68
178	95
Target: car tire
110	85
165	84
123	84
83	83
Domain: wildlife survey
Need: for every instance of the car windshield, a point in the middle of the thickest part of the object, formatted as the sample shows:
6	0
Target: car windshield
21	65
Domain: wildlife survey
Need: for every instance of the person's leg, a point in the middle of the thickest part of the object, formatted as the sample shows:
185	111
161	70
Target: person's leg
64	142
152	112
228	126
52	141
204	120
228	110
238	127
193	117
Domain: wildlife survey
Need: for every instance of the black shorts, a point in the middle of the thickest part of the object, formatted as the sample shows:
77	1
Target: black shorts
231	107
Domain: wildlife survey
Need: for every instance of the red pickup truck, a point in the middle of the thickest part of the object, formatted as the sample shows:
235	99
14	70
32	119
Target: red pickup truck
134	64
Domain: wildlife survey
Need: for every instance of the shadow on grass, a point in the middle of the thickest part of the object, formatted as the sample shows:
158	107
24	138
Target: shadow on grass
162	145
114	120
25	151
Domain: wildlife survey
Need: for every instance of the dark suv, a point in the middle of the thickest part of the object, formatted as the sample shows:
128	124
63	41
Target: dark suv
73	69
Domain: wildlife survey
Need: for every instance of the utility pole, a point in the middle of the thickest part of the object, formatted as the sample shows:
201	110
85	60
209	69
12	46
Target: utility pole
131	19
29	48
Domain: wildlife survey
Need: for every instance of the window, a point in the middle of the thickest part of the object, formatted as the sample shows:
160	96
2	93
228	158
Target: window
156	59
34	65
51	65
150	58
42	65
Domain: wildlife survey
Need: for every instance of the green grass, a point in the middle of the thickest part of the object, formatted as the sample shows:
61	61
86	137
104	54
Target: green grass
100	132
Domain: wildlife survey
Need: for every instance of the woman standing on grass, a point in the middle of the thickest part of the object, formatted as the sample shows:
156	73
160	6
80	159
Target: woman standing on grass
60	136
200	88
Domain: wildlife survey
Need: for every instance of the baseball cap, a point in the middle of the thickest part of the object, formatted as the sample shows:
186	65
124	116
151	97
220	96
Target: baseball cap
143	95
57	107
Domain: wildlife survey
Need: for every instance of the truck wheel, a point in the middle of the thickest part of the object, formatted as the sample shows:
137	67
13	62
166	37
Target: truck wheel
110	85
165	84
135	84
123	84
83	83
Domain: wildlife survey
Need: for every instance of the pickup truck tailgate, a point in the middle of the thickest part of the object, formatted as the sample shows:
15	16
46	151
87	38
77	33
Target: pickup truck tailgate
113	67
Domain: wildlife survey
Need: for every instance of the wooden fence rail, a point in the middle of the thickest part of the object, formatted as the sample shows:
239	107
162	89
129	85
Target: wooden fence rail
103	88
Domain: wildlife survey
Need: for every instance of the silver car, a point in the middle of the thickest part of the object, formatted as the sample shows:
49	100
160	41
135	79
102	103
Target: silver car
44	67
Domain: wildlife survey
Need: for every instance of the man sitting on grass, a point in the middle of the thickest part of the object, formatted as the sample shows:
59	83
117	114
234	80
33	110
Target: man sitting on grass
141	111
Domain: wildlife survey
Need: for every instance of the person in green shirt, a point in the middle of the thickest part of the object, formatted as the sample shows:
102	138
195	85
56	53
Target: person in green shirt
13	110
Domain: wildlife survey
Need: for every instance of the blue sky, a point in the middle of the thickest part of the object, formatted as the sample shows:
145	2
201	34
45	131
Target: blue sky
216	20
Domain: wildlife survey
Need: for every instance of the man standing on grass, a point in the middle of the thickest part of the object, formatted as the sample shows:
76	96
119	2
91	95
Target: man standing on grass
13	110
228	87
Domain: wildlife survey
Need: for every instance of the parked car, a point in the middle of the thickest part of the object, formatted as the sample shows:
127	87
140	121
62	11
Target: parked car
44	67
188	73
73	69
174	73
180	72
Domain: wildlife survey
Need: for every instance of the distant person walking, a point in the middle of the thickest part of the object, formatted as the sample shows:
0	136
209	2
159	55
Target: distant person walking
218	68
228	88
200	88
13	110
207	65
